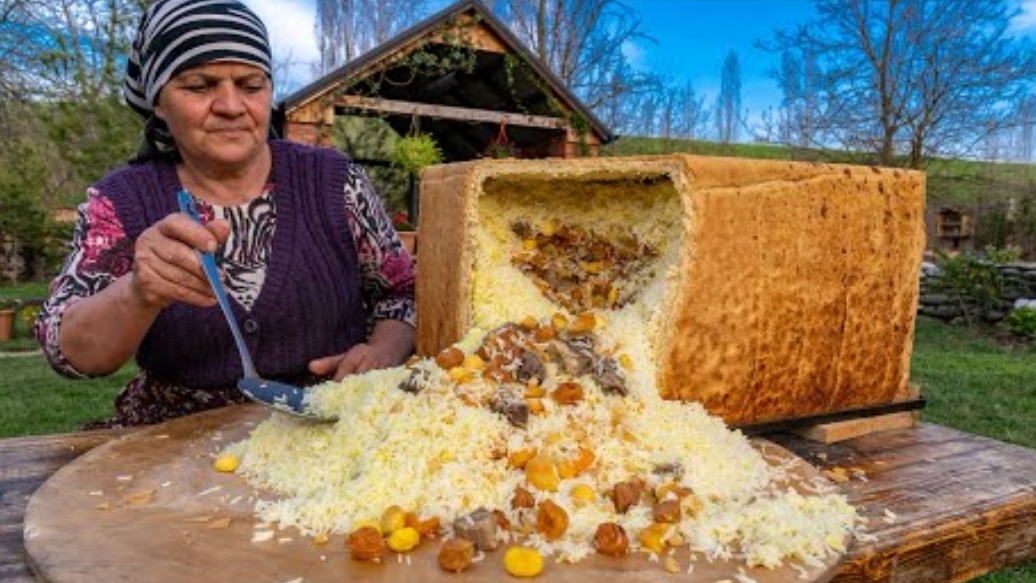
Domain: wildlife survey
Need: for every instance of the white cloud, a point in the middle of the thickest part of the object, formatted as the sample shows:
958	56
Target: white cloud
290	24
1025	22
635	54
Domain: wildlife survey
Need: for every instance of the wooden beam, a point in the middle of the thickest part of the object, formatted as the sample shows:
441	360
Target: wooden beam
450	112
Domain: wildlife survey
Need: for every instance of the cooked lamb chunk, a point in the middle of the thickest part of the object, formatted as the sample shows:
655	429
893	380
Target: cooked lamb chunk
609	376
479	527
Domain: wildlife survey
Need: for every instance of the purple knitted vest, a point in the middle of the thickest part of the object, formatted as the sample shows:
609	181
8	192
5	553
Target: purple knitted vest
310	304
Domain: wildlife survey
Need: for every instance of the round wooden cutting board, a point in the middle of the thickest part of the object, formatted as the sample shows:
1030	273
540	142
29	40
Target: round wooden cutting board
149	508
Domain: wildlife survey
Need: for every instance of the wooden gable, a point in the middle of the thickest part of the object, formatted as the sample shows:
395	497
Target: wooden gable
460	76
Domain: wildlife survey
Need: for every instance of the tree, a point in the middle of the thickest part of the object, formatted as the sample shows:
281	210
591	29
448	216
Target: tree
60	98
728	102
796	122
581	42
348	28
908	79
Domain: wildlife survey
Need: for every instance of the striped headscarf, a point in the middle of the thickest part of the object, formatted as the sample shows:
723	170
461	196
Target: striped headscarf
174	35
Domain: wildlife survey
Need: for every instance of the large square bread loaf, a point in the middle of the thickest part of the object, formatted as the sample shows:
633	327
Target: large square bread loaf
772	289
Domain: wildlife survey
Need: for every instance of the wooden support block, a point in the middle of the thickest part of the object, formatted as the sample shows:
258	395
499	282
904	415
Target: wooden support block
843	430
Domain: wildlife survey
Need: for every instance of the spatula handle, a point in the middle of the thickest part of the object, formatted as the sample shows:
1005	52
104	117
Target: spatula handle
208	265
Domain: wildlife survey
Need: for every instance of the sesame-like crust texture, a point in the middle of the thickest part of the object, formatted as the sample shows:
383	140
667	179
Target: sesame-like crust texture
794	293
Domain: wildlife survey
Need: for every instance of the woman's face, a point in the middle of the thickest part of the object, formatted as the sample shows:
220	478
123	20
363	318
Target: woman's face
218	113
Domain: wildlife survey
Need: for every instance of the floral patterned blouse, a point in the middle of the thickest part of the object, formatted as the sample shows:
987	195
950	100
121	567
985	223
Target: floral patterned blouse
101	252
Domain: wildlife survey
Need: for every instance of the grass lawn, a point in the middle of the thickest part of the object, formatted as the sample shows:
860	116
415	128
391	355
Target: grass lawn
970	383
37	401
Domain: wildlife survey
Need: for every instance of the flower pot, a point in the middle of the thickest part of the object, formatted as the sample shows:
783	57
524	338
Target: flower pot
6	324
409	239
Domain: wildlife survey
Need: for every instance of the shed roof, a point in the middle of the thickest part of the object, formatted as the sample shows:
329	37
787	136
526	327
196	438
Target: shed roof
498	85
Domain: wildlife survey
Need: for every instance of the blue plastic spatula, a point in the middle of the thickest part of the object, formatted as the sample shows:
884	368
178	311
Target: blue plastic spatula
282	397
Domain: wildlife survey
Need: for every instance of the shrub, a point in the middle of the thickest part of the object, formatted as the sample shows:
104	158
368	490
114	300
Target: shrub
1022	320
974	282
416	151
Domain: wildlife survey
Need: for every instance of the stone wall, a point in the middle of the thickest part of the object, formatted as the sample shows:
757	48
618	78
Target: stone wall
1019	282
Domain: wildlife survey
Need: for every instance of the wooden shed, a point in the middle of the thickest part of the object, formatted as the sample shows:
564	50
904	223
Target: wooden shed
460	76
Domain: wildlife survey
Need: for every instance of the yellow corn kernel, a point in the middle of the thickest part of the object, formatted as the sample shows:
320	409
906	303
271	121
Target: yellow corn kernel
392	519
613	295
321	539
549	227
529	323
403	539
583	495
535	406
529	244
523	561
226	463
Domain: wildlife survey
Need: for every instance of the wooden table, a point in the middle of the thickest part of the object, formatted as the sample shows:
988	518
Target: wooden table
943	505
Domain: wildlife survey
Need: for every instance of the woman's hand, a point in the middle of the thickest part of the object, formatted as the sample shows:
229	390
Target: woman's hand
165	266
390	344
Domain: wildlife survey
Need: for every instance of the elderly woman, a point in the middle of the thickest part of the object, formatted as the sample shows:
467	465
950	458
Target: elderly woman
318	279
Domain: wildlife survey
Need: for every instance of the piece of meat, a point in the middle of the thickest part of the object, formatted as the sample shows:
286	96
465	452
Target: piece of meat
609	376
479	527
510	405
575	355
531	368
418	380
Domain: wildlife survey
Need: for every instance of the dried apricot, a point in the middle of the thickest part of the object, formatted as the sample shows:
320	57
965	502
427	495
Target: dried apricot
584	322
551	520
667	511
652	537
456	554
611	539
567	393
625	495
584	459
365	544
449	357
522	498
519	457
426	527
541	472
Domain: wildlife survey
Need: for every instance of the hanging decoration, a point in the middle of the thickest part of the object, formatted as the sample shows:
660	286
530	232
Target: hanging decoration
501	146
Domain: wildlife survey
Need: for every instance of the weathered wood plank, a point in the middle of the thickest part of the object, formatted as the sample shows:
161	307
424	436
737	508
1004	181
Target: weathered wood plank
449	112
25	463
941	505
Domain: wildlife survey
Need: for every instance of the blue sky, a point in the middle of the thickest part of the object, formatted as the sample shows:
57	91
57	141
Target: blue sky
693	37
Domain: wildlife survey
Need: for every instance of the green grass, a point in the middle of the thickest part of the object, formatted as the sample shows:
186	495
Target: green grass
973	384
38	401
